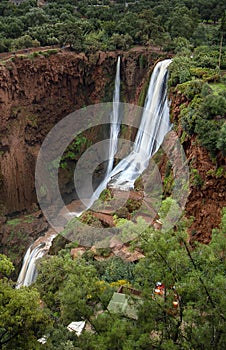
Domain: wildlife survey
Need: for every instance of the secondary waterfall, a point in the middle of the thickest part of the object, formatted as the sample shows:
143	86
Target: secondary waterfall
37	250
28	271
115	122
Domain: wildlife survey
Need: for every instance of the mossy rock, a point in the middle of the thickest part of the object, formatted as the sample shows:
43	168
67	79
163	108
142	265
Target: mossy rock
58	243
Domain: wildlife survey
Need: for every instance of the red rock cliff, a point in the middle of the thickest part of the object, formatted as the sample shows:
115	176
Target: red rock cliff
36	93
207	185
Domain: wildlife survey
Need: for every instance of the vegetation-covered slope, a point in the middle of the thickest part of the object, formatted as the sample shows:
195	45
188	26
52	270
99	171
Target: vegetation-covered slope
190	315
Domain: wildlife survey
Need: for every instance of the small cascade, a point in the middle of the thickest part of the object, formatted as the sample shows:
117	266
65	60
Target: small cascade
115	122
37	250
28	272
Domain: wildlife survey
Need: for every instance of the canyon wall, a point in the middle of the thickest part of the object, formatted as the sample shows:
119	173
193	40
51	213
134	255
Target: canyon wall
207	195
37	91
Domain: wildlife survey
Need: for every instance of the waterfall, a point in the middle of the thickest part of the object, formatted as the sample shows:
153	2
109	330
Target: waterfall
153	127
37	250
115	122
28	272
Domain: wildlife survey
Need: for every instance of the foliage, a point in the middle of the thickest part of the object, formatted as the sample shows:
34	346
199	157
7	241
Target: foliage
22	320
221	142
190	88
107	25
200	289
204	114
114	269
6	266
75	148
75	290
58	277
196	179
179	70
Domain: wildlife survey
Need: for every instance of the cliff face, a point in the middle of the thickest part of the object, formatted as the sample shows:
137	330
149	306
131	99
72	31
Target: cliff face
207	183
36	93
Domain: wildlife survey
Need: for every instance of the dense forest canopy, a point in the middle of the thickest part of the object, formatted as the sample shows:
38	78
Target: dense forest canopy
109	25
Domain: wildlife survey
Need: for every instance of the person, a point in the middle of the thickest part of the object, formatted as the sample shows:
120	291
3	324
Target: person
159	288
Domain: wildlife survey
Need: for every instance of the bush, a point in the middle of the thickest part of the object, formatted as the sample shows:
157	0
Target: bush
205	56
213	105
208	132
191	88
179	71
188	120
221	142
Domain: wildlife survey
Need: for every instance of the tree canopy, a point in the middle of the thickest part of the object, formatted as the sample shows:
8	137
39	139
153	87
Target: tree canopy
108	25
22	319
194	277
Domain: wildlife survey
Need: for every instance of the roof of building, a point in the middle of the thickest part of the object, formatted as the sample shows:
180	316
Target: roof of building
124	304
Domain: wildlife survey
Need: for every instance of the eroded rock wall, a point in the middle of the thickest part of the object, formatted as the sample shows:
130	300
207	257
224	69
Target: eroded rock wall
35	93
207	195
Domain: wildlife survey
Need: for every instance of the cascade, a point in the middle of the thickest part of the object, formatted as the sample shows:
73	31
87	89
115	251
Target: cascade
115	121
37	250
153	127
28	271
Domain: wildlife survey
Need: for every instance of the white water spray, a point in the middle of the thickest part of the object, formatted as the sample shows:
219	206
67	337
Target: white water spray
37	250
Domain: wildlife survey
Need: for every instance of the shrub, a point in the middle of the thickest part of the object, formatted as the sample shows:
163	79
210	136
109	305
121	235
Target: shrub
221	142
191	88
208	131
213	105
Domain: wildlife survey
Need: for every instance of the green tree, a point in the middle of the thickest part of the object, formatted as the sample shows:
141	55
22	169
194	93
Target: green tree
199	279
70	288
22	320
179	70
194	278
182	22
212	106
6	266
24	42
70	33
35	17
221	142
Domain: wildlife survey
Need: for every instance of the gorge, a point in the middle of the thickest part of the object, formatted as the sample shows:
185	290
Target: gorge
60	83
154	125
